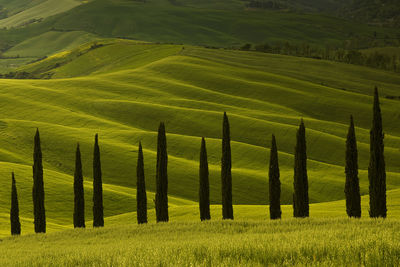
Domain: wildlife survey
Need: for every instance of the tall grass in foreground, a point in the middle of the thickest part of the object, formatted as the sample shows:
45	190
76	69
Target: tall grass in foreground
338	242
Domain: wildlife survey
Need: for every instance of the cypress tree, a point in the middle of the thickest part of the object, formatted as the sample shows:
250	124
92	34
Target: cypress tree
274	183
352	187
162	176
98	218
141	198
39	213
226	175
14	212
300	196
204	190
79	198
376	169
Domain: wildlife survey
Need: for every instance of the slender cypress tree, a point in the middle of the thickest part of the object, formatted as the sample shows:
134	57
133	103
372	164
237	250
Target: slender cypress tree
162	176
39	213
376	169
352	187
226	175
300	196
98	218
204	190
79	197
141	198
274	183
14	212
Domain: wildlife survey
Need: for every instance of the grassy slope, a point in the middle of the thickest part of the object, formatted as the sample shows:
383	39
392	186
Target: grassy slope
37	11
49	43
129	87
12	7
220	23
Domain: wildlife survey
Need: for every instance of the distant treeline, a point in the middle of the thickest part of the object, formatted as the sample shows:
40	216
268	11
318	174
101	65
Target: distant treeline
351	56
380	12
376	177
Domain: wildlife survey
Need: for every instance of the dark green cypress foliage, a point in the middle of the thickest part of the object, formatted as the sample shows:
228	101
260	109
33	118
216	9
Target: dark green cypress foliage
79	197
14	212
274	183
39	213
226	175
141	198
204	190
376	169
162	176
98	217
300	196
352	187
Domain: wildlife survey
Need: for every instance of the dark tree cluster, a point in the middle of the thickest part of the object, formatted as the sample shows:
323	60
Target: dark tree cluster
376	175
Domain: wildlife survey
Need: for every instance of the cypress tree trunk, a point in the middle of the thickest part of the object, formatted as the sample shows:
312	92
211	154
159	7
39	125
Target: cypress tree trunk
98	218
14	212
274	183
376	169
141	198
162	176
79	198
300	196
204	191
226	175
352	187
39	213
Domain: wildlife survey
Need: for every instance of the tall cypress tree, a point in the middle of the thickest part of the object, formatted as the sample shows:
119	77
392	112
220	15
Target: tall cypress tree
39	213
14	212
376	169
352	187
226	174
274	183
141	198
300	196
162	176
204	190
98	217
79	198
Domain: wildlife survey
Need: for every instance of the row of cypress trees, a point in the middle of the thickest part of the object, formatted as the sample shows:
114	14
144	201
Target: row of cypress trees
376	168
376	175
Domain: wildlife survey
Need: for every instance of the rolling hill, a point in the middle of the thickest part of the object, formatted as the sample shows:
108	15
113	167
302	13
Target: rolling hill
22	12
122	90
37	31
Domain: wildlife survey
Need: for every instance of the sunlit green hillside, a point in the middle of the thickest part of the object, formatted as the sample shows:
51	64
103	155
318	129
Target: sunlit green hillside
123	89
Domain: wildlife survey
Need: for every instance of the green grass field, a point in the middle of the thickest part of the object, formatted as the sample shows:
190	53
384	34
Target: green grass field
301	242
123	89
